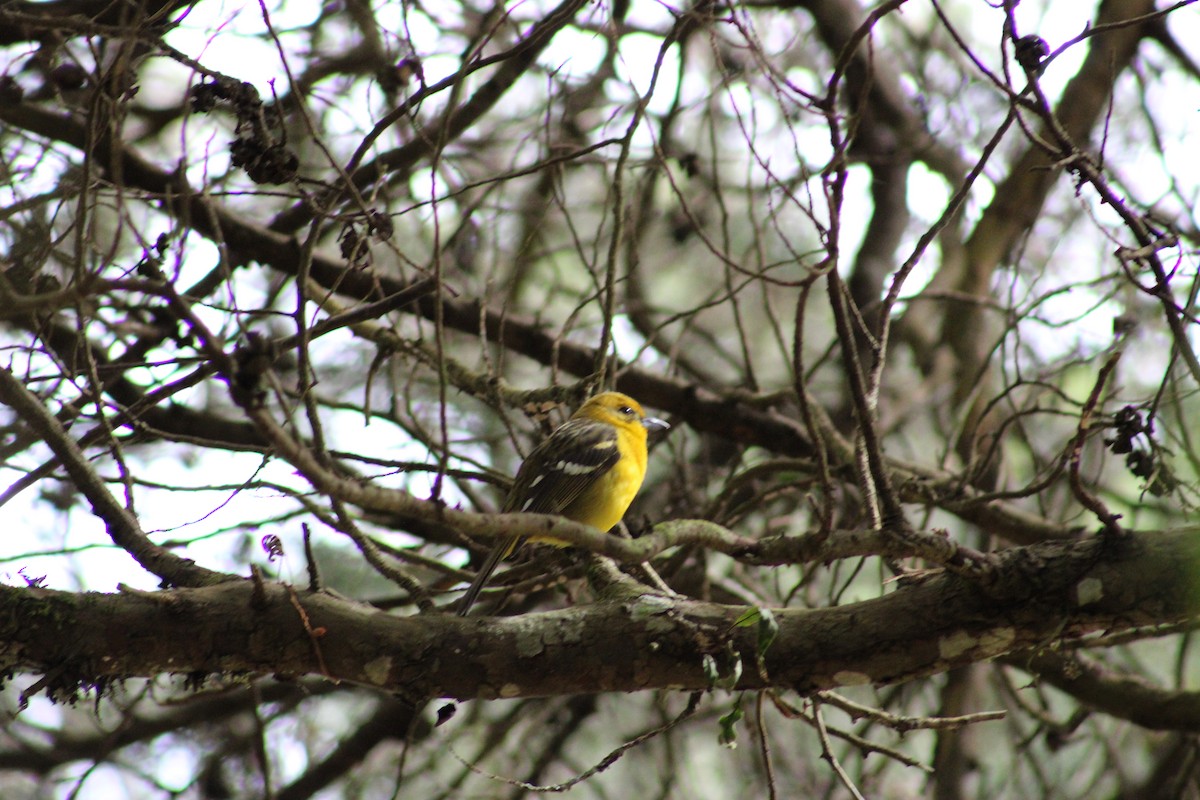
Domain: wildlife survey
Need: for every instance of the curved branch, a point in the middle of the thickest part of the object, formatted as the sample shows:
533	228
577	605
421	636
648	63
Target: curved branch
122	525
1117	694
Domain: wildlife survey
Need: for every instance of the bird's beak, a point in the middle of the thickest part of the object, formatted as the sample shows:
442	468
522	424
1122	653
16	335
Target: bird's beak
654	424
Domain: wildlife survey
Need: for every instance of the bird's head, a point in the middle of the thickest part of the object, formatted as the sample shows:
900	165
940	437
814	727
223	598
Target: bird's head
619	409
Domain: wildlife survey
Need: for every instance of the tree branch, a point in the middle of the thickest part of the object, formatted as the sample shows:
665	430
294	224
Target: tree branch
1037	596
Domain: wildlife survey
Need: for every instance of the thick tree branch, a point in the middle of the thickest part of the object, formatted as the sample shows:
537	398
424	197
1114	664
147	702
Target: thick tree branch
1037	596
23	21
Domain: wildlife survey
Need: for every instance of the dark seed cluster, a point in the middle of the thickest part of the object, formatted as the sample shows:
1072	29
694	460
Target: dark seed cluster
264	158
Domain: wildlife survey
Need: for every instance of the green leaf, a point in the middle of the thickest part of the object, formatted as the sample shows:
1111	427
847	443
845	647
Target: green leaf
749	617
728	735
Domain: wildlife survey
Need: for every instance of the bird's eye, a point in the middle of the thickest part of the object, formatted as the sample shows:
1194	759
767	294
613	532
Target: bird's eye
626	411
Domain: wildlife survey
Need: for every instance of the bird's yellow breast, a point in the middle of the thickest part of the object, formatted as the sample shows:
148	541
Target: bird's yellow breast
604	503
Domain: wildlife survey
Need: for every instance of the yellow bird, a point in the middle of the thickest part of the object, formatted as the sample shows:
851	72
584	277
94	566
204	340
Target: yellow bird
588	470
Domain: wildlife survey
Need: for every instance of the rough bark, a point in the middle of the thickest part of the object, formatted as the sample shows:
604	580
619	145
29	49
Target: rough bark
1038	597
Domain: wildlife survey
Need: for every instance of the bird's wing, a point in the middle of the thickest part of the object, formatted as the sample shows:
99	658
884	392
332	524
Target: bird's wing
558	470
